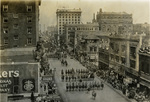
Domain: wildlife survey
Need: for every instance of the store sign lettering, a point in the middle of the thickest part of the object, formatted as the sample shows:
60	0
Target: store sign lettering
4	86
7	74
5	80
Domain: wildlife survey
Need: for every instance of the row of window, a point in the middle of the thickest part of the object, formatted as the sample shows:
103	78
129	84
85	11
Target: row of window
29	8
116	58
69	15
16	37
69	23
69	20
84	28
6	31
93	49
117	17
29	19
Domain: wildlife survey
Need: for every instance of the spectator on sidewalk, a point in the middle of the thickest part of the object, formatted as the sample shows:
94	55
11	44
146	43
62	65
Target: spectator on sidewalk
32	97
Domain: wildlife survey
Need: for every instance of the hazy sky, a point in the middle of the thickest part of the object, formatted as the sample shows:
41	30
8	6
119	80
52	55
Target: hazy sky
139	8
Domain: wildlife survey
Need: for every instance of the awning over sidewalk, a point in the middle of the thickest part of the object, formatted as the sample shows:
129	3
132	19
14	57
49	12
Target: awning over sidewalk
145	84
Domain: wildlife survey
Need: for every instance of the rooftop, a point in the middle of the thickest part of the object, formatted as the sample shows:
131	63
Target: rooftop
127	36
63	10
119	13
17	55
97	33
88	24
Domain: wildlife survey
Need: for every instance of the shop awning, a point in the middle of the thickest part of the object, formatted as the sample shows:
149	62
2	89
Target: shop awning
145	84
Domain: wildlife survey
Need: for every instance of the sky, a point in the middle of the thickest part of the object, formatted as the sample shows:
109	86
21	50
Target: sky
140	9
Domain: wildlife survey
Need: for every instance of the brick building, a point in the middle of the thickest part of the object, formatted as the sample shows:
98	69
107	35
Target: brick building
141	28
114	22
103	51
71	29
144	65
123	54
19	23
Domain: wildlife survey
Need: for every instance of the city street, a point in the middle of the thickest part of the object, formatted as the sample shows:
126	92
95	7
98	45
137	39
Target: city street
105	95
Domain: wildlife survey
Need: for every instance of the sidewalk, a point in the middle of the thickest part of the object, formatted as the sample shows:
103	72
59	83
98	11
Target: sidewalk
118	91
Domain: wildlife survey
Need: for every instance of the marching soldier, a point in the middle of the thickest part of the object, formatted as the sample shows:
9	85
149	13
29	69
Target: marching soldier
66	86
66	78
62	77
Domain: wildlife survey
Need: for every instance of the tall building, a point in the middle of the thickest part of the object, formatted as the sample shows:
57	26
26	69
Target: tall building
67	16
19	23
71	29
114	22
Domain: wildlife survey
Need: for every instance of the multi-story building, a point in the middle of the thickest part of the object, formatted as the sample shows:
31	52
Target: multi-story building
71	29
144	65
19	23
114	22
123	54
103	52
140	28
67	16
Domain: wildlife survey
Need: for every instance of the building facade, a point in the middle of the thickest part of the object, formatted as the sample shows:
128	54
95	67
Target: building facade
19	23
103	52
141	28
114	22
123	55
67	16
71	29
144	65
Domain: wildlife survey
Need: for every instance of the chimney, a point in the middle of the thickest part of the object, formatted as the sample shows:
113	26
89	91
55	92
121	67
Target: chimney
94	16
100	10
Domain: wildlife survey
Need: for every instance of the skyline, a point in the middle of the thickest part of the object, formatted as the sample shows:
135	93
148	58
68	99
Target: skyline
140	10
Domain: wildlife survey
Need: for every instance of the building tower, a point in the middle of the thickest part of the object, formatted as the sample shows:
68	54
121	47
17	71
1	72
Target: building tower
19	23
66	16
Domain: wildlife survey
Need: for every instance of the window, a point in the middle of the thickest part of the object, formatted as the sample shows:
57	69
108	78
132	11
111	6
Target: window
123	61
5	8
5	19
145	67
29	8
132	63
29	41
29	30
29	19
15	46
91	48
6	40
15	26
112	57
132	52
5	30
95	49
16	37
117	58
15	15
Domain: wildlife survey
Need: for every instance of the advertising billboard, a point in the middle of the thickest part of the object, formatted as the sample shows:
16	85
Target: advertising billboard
17	78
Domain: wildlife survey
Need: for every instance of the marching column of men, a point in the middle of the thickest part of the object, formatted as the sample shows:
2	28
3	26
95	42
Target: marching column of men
80	80
78	75
84	86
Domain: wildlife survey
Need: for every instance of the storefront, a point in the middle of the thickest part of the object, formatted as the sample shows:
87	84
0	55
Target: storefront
19	78
145	86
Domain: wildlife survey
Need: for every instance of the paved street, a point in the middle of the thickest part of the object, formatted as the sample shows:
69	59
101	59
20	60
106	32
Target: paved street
105	95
